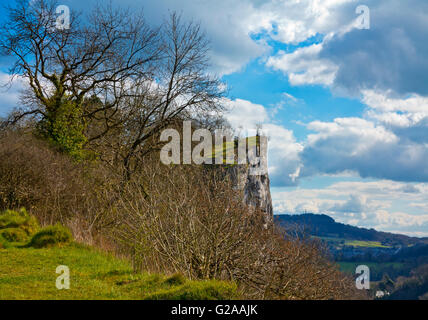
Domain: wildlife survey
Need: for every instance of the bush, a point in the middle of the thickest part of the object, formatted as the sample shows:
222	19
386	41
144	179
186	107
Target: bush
12	219
56	188
50	236
33	175
30	226
3	243
175	280
18	223
198	290
14	235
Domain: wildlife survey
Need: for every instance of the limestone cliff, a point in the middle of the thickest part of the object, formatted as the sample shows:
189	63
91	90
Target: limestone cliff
253	180
256	190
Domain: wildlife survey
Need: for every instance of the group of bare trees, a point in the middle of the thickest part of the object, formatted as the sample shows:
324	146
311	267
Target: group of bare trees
194	223
111	76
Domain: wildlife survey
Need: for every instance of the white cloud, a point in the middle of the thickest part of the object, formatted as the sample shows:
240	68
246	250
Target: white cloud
382	101
231	25
348	58
389	142
284	159
9	92
366	204
355	204
228	24
304	67
245	114
391	55
298	20
407	118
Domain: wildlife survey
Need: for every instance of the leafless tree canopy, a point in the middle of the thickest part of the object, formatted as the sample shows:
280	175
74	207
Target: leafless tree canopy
128	80
91	57
195	223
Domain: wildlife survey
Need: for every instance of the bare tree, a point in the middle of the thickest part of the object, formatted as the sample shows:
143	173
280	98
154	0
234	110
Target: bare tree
91	57
183	90
111	46
125	81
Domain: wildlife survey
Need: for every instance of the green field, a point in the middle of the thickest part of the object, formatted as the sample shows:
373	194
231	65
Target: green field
350	267
28	273
353	243
365	244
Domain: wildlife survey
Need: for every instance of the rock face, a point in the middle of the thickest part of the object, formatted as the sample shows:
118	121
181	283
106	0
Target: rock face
253	179
256	191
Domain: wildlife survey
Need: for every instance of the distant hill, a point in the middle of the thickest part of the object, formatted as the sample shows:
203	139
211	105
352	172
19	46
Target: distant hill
389	256
321	225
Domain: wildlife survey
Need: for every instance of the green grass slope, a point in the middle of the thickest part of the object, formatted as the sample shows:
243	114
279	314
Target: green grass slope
29	273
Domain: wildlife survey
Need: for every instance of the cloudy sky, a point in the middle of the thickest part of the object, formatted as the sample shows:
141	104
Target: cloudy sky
343	100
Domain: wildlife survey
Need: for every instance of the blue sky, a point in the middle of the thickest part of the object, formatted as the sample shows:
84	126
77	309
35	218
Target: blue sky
345	108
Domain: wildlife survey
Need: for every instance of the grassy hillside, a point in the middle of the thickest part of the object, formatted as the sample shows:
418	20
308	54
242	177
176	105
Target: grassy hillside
28	273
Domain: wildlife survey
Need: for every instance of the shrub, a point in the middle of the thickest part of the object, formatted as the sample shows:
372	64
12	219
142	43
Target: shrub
56	188
11	219
30	226
198	290
176	279
50	236
3	243
33	175
14	235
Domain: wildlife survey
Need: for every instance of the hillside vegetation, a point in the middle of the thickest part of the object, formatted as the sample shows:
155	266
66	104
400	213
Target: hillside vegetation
28	273
82	156
200	230
28	268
